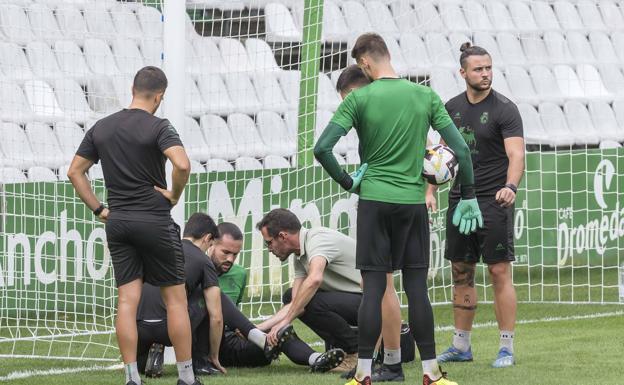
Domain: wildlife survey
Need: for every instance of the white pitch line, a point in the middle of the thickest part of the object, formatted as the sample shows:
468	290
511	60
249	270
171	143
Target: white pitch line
32	373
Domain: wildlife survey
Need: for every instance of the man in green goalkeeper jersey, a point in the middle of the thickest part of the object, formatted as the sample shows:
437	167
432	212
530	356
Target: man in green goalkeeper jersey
392	117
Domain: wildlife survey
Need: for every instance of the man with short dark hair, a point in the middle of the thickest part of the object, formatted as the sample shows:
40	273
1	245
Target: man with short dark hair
492	127
232	276
143	239
392	117
326	292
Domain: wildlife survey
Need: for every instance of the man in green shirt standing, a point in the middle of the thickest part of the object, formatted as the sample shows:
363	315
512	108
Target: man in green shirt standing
392	117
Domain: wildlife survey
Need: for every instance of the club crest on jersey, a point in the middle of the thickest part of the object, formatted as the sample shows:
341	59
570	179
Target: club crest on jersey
484	117
468	135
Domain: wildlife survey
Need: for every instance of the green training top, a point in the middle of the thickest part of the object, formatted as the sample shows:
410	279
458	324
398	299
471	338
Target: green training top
233	283
392	118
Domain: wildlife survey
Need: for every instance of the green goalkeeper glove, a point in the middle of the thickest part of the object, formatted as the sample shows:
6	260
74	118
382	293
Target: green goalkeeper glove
357	178
467	216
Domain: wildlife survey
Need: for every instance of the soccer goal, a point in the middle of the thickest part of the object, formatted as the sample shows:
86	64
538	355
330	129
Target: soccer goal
255	88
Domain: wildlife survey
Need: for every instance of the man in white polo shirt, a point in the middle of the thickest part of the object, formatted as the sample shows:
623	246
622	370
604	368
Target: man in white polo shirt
326	292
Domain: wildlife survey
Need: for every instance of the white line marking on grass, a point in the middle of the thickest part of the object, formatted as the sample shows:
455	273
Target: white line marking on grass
541	320
32	373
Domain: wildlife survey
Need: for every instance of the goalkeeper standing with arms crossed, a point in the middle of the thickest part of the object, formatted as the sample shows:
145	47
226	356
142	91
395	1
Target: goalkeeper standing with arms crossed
143	239
392	117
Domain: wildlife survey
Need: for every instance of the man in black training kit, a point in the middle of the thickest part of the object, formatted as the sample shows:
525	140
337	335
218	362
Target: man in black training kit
143	240
492	128
392	117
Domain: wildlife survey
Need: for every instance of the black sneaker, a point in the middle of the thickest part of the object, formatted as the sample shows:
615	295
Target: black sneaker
206	369
197	382
387	373
283	335
327	361
155	358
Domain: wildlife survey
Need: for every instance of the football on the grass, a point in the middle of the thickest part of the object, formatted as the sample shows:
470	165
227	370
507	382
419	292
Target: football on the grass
440	165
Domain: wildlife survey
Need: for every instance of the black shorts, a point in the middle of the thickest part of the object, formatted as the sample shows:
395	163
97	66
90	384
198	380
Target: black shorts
392	236
148	250
493	242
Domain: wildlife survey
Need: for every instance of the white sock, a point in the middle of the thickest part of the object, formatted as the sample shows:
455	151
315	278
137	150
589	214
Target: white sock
257	337
432	369
461	340
506	340
392	356
313	358
363	368
132	373
185	372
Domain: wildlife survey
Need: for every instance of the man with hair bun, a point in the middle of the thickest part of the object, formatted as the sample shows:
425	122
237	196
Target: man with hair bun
492	128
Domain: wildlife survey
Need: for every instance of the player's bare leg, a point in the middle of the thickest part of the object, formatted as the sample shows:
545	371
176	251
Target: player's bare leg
129	296
505	309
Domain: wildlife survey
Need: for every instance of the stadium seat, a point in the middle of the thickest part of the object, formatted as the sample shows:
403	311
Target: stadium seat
215	94
440	50
444	84
453	17
476	16
13	104
122	85
152	51
381	19
242	93
43	101
456	40
275	162
590	15
69	136
568	82
500	84
352	141
291	117
99	22
580	123
521	85
510	49
500	16
269	92
611	15
217	165
534	132
43	23
261	56
219	138
557	128
127	55
334	25
280	26
96	172
568	16
100	57
602	47
591	83
193	140
15	146
546	84
353	157
557	46
151	22
289	80
322	120
612	78
12	175
415	54
398	61
206	58
101	95
429	19
246	136
71	22
487	41
617	38
126	23
328	98
522	17
196	167
605	122
41	174
42	60
13	62
15	25
247	163
223	5
194	104
535	49
580	49
609	144
404	15
71	60
62	173
275	134
544	16
356	17
234	56
72	100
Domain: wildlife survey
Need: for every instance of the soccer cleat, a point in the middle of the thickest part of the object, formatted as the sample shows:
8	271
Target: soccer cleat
365	381
197	382
440	381
155	358
205	370
327	361
283	335
453	354
347	366
504	359
388	373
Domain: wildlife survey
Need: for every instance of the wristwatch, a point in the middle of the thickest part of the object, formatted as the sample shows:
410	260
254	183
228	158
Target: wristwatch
512	187
99	210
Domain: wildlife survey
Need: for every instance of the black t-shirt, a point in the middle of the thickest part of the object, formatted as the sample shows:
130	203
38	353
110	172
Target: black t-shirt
130	144
200	274
485	126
